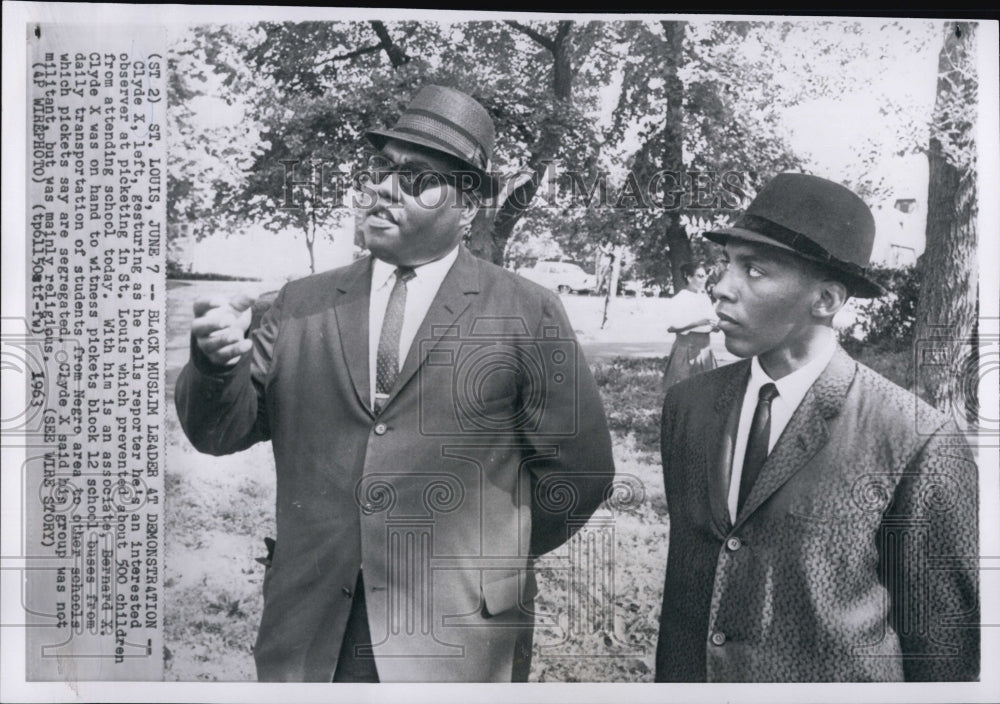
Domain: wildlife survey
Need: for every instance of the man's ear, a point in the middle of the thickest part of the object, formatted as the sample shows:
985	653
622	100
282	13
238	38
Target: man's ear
832	295
470	206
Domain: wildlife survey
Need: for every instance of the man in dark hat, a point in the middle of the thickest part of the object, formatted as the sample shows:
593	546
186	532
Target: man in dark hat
831	534
434	426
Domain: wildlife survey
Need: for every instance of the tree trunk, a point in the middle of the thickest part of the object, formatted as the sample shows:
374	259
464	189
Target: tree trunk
946	357
679	250
311	240
616	268
673	143
489	236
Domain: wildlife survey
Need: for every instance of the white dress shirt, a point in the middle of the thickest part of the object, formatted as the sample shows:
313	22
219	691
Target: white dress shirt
792	389
420	293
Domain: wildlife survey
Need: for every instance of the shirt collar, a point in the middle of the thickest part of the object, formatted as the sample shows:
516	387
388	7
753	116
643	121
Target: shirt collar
384	273
792	387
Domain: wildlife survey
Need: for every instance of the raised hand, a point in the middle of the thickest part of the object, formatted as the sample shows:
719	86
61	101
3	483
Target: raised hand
220	326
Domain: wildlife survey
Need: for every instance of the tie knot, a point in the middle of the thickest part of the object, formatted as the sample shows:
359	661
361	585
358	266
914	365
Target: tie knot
405	273
767	393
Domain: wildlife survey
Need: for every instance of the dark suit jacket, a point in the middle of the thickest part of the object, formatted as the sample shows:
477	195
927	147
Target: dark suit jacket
492	447
855	556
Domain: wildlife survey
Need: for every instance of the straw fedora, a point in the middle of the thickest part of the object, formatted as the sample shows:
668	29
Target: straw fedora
818	220
451	122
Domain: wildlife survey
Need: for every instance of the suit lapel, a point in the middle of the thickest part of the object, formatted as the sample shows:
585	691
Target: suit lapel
351	309
805	433
719	439
454	296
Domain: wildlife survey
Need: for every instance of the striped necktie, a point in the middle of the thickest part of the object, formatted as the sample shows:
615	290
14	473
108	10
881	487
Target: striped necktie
387	361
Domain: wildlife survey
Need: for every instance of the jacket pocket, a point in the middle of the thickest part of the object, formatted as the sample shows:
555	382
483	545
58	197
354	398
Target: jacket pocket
505	589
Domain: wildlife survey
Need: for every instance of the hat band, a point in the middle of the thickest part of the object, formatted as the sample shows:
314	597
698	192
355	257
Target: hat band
452	138
450	124
797	241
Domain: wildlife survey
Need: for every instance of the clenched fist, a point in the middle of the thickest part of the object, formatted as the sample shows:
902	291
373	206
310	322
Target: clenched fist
220	326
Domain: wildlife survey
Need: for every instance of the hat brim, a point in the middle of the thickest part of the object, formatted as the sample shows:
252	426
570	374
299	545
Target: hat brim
860	286
489	186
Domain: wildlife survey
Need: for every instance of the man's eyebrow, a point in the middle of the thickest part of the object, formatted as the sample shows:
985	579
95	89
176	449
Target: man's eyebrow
419	165
755	257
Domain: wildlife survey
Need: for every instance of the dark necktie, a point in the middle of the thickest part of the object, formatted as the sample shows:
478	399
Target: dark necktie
387	361
757	441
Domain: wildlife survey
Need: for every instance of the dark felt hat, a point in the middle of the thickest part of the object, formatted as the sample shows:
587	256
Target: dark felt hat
451	122
818	220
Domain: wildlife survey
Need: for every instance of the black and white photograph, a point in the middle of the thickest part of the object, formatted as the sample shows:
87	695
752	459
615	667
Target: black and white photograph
422	352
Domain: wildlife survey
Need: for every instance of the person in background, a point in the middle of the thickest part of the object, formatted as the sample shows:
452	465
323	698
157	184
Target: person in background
693	320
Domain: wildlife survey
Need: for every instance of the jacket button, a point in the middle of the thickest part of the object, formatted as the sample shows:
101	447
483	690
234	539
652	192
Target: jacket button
718	638
380	429
734	544
346	591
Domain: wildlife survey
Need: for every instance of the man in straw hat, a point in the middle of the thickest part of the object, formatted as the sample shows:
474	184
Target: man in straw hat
434	426
831	535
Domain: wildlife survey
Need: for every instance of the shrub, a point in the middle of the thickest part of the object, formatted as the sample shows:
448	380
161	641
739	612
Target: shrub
886	323
632	391
176	273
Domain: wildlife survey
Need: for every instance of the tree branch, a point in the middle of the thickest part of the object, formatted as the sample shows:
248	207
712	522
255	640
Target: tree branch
397	57
351	54
535	34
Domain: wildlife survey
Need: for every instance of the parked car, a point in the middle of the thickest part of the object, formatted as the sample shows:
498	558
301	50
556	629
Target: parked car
635	287
564	277
631	287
